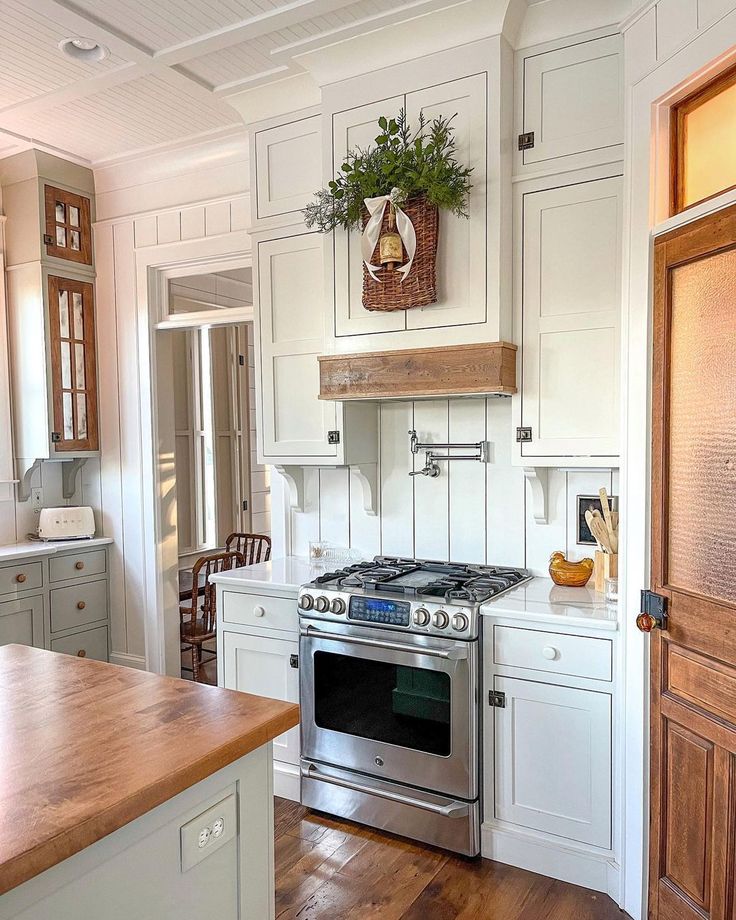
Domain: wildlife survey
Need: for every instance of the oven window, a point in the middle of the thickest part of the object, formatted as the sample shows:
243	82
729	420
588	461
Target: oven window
409	707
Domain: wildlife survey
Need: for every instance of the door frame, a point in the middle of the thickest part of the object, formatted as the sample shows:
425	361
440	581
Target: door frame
647	178
155	267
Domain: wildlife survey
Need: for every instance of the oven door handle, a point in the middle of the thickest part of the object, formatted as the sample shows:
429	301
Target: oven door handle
454	810
456	653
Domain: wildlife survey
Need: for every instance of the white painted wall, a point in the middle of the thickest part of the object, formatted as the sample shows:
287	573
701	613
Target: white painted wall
472	512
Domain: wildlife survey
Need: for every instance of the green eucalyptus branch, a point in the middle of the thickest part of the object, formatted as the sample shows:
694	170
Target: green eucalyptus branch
422	162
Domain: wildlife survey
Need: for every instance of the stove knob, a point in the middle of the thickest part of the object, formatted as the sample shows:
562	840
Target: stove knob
440	619
421	616
460	622
322	604
306	602
337	606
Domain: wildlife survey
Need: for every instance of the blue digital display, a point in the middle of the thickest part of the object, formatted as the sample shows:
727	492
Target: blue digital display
377	610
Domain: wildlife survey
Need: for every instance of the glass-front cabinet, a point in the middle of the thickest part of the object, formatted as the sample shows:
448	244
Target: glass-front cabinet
68	232
73	364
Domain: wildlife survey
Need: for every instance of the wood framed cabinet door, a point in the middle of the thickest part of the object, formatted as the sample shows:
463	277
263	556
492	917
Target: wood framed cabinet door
73	364
570	320
68	226
267	667
295	422
462	261
693	564
350	129
573	99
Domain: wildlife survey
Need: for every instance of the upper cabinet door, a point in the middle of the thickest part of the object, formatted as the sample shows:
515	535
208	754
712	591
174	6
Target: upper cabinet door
358	128
573	99
73	365
295	423
571	297
461	255
68	226
288	167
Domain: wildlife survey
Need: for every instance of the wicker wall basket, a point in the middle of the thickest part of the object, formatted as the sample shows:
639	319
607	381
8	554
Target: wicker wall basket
420	287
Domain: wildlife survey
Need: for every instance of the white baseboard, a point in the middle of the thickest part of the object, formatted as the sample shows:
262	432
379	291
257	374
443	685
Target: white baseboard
128	661
554	858
286	781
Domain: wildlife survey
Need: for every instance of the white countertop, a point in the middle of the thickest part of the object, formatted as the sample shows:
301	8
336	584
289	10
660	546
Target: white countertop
30	548
543	601
287	574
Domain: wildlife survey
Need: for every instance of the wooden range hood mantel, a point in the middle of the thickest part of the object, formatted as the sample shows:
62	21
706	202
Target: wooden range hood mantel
455	370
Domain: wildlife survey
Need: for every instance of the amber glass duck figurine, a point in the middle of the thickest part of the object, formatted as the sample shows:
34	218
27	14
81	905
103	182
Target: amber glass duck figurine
570	574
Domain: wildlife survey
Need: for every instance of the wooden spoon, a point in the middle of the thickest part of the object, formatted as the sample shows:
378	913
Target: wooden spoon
600	531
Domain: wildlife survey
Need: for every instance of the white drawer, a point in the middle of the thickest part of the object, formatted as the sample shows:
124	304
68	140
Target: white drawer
261	611
534	650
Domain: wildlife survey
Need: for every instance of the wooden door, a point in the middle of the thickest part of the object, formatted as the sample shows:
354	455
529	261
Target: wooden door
68	225
693	659
73	364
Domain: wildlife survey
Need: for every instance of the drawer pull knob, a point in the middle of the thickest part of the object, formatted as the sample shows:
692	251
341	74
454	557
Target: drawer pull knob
258	611
82	653
550	653
81	605
79	565
20	578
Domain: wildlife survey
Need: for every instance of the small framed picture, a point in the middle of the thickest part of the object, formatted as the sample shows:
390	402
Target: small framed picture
590	503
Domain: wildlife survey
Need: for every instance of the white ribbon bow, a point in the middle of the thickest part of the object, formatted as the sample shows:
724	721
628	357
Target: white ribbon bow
376	208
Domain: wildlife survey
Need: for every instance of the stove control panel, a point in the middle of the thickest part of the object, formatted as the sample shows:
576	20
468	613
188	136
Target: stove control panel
380	610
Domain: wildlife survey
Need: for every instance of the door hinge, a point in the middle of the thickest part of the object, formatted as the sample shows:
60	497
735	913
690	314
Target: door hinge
333	437
48	239
293	661
245	504
241	360
526	141
653	611
497	699
523	434
55	437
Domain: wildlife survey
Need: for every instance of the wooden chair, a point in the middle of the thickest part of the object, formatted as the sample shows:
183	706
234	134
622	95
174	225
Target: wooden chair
255	547
198	620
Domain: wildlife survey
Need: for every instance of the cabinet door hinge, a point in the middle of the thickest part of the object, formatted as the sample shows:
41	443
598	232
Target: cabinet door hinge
245	504
523	434
241	360
333	437
293	661
526	141
497	699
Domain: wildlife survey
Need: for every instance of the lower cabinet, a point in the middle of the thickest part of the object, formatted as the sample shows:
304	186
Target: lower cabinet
553	760
268	665
89	643
21	622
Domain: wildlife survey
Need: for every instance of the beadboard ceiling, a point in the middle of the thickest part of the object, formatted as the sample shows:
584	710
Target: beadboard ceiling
172	65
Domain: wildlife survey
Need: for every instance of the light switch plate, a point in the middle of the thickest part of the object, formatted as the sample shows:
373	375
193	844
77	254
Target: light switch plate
208	832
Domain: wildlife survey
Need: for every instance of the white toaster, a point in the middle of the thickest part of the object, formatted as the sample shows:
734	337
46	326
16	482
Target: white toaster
66	523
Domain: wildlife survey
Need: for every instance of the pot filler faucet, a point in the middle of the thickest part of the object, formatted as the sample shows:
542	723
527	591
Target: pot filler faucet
431	468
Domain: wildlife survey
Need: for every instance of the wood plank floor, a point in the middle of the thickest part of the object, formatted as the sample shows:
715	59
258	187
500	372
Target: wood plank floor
330	869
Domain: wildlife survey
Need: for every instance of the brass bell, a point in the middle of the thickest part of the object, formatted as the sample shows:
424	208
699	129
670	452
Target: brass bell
390	247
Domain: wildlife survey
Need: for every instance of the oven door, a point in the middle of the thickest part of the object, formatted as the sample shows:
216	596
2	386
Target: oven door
398	706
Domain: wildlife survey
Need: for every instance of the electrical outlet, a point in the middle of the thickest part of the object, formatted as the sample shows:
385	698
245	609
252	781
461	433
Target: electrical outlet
208	832
37	499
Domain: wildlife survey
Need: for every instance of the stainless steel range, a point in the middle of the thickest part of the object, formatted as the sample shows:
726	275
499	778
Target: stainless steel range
390	689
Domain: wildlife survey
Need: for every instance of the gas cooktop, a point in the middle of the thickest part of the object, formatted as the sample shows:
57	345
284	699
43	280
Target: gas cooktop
452	582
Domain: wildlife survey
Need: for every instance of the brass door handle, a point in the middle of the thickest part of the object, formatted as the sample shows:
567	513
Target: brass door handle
645	622
653	612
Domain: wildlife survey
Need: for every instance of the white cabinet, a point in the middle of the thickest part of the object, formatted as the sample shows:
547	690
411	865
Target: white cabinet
572	100
357	127
288	166
553	760
266	666
568	311
295	426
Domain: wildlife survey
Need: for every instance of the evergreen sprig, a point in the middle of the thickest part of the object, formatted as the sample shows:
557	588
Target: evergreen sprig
401	163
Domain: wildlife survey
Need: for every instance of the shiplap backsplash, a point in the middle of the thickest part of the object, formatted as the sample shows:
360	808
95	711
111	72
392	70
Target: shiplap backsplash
472	512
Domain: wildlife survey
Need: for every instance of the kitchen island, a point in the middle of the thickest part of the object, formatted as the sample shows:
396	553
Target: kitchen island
129	795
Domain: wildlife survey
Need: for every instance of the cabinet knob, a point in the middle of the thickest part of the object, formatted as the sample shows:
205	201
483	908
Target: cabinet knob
550	653
81	605
20	578
82	653
79	565
258	611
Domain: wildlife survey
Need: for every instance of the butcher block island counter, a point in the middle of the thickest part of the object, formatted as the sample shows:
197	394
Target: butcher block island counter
126	795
